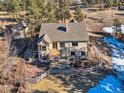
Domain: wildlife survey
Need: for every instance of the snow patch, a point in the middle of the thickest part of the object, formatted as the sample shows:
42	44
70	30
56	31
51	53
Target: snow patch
111	30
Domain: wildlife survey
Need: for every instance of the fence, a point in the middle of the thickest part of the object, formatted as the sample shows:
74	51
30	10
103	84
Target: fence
39	77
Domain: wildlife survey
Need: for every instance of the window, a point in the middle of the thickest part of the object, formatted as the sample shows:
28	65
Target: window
74	43
55	45
40	47
72	53
62	44
43	48
36	56
82	53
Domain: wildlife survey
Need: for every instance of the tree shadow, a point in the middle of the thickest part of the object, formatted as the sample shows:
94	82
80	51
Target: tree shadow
49	91
8	19
79	82
14	90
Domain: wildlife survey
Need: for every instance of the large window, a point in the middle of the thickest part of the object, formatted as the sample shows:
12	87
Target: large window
72	53
43	48
74	43
55	45
62	44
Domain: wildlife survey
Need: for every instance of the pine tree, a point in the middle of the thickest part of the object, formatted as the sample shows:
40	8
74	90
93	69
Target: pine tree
63	12
109	3
117	24
79	16
16	5
50	13
11	6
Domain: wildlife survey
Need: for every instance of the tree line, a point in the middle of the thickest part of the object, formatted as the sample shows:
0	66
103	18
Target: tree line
108	3
48	10
39	9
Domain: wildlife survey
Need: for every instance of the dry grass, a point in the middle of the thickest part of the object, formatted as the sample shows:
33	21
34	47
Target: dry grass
49	84
93	19
6	88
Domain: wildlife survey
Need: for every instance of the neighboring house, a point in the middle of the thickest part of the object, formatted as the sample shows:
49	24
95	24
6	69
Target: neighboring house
121	8
76	1
20	30
68	40
20	41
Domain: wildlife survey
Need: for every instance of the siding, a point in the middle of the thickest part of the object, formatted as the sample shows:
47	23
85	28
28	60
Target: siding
69	45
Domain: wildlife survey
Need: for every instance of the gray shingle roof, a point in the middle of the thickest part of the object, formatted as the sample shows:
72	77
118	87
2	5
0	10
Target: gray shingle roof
59	32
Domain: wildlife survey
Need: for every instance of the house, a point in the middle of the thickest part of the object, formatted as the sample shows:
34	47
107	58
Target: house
21	41
121	8
20	30
76	1
63	39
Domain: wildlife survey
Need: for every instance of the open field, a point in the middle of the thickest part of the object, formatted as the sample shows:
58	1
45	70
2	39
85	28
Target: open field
97	20
50	85
6	19
64	84
94	24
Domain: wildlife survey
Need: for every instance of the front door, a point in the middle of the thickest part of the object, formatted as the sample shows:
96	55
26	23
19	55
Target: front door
55	45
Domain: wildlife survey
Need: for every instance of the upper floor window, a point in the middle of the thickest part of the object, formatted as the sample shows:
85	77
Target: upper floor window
43	48
74	43
62	44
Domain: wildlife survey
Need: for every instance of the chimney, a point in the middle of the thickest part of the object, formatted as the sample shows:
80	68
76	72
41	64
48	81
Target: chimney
66	25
